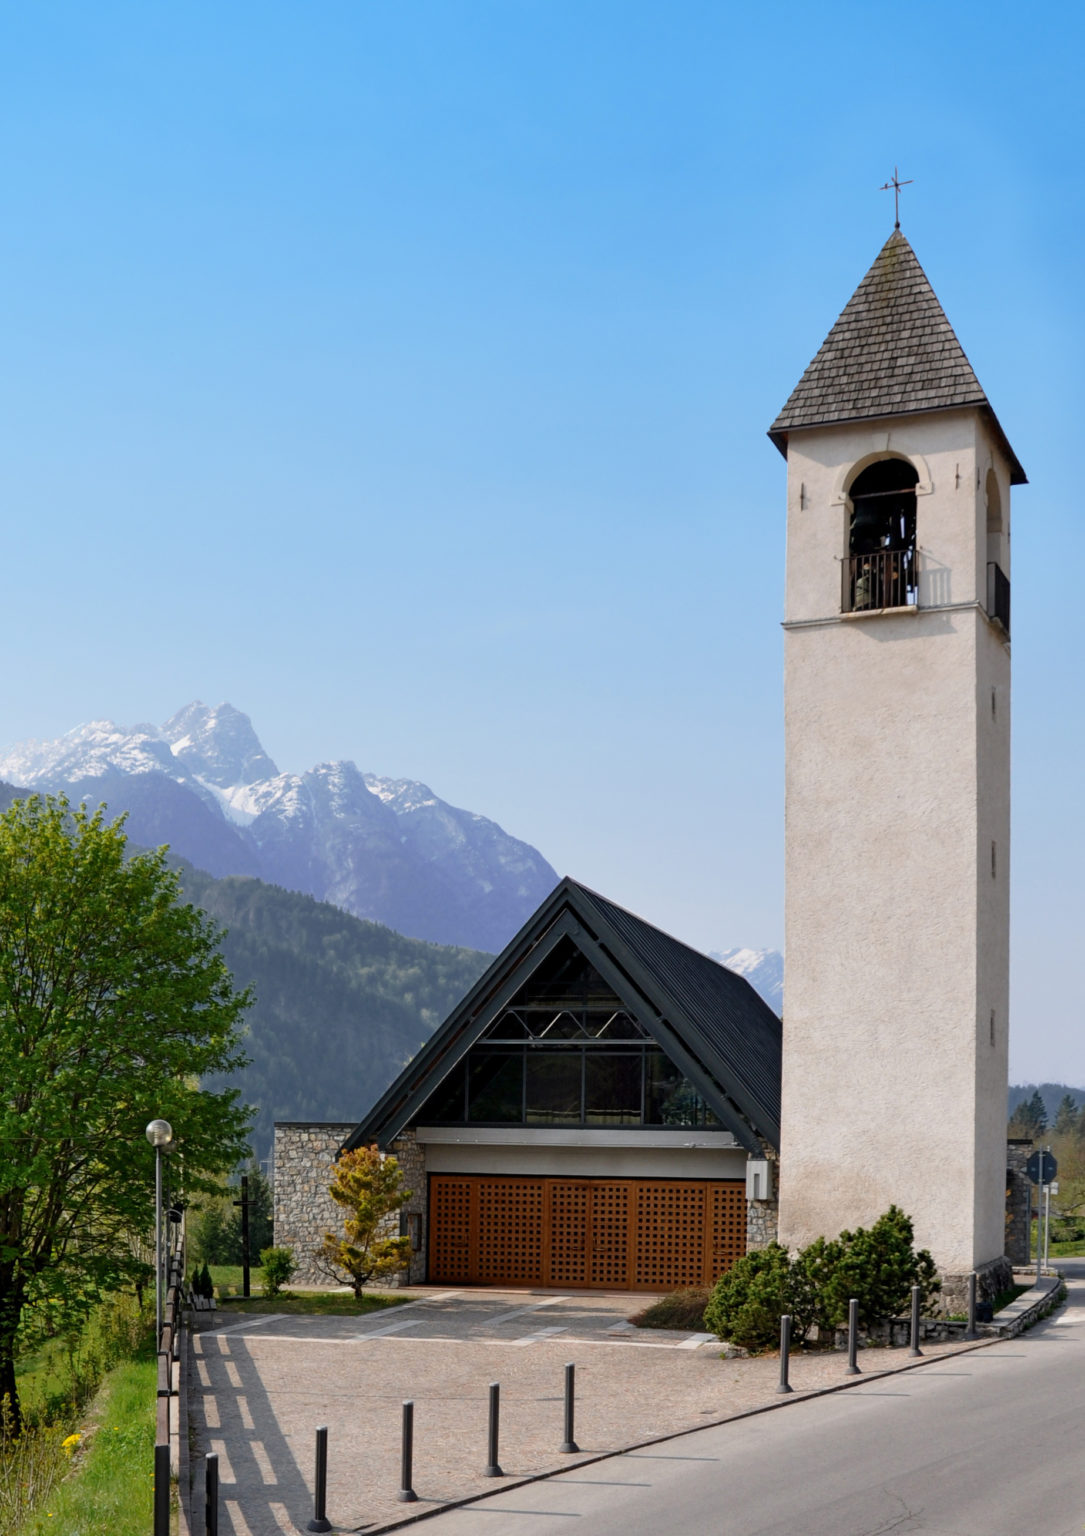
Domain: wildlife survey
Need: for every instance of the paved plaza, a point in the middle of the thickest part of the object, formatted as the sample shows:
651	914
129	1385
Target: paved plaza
261	1386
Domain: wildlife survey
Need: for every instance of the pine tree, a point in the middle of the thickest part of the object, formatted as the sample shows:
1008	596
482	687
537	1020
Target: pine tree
1066	1116
1037	1113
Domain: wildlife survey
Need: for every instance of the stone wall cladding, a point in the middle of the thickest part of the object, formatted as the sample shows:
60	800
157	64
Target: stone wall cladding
761	1223
411	1156
991	1280
303	1210
762	1216
1018	1202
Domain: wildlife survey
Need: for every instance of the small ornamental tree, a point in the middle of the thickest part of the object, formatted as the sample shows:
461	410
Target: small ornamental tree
370	1189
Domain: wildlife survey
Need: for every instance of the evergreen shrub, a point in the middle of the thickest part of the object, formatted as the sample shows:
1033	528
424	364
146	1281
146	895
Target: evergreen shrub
279	1266
878	1266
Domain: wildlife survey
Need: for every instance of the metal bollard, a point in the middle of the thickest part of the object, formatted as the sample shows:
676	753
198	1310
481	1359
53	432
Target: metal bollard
853	1338
493	1467
785	1354
569	1444
211	1494
320	1521
914	1348
162	1490
406	1493
970	1331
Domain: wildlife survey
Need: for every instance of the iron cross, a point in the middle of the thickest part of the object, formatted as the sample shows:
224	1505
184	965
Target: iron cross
896	184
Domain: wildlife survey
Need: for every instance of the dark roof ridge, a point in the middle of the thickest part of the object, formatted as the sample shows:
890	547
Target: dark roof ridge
891	352
727	1032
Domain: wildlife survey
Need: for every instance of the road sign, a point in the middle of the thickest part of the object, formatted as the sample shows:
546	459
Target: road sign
1042	1167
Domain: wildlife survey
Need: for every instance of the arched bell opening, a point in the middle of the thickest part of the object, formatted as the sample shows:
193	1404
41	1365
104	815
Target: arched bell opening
880	568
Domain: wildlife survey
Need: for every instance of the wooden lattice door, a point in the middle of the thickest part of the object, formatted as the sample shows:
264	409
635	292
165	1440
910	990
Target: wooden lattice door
509	1247
569	1202
615	1234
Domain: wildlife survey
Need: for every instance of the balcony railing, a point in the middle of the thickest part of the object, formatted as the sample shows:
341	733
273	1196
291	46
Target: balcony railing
884	579
998	595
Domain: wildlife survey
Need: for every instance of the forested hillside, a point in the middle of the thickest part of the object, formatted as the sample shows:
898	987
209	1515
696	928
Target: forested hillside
341	1004
1050	1095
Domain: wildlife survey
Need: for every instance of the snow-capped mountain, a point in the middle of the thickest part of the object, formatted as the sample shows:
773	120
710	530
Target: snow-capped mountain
385	849
762	968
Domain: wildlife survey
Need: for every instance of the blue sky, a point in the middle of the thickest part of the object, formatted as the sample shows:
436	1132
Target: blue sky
401	374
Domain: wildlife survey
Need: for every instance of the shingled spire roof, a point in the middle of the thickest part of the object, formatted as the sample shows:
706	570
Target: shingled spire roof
892	352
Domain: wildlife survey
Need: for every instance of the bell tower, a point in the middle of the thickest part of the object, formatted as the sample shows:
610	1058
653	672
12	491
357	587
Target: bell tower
897	706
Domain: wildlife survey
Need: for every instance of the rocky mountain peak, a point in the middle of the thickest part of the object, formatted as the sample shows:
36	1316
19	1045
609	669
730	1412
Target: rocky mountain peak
389	850
219	745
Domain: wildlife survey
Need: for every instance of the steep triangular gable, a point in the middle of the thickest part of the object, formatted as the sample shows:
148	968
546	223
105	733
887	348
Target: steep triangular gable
702	1016
892	352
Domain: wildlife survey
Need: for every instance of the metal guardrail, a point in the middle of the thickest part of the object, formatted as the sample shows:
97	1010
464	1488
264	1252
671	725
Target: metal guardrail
885	579
168	1346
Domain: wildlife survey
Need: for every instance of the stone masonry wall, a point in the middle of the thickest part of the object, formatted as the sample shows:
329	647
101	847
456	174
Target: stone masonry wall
411	1157
1018	1202
762	1216
303	1209
761	1223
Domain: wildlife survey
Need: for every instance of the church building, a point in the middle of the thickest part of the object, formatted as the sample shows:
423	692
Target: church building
607	1107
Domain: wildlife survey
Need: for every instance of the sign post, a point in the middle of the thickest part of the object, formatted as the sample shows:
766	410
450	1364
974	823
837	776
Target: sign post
1041	1169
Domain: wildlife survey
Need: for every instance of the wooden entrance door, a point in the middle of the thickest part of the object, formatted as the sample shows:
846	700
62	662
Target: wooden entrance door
610	1234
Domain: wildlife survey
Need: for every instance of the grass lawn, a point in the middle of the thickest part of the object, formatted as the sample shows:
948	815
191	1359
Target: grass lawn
83	1465
227	1279
318	1303
108	1490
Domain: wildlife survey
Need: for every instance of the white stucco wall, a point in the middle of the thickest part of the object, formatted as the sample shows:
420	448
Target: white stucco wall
596	1162
897	784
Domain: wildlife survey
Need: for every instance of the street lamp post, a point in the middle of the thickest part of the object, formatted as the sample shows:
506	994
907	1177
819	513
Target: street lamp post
160	1136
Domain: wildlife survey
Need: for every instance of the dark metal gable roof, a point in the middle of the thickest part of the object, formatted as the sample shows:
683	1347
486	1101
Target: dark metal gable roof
892	352
711	1022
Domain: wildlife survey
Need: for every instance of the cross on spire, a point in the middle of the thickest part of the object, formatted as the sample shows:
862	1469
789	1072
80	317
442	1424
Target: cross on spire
896	184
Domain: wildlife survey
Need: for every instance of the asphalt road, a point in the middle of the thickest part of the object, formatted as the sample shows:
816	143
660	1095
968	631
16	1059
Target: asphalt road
990	1443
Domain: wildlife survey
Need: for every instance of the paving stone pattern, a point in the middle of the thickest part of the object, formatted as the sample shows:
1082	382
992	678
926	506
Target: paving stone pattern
263	1386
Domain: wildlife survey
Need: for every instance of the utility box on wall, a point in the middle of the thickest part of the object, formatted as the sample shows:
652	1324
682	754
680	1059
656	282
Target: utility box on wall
759	1179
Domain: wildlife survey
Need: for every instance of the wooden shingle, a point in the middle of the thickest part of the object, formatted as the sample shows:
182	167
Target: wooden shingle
892	352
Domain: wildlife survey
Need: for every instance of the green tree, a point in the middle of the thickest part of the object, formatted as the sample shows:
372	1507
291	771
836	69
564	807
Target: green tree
214	1222
114	1002
370	1189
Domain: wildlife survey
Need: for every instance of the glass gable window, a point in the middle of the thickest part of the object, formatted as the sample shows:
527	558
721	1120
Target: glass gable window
613	1088
553	1087
495	1087
567	1052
